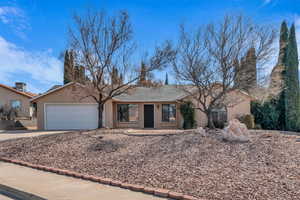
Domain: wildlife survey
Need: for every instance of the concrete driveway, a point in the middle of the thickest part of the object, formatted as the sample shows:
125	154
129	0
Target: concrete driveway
8	135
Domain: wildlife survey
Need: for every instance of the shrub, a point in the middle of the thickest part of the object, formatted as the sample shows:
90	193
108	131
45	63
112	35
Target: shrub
248	120
268	115
8	113
188	113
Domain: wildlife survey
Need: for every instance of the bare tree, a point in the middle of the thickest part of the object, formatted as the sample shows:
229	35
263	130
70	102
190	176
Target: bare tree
103	45
207	58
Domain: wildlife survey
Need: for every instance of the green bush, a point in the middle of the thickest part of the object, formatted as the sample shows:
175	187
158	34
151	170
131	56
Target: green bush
268	114
248	120
188	113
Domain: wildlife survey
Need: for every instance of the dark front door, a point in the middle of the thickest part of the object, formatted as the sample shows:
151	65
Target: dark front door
148	116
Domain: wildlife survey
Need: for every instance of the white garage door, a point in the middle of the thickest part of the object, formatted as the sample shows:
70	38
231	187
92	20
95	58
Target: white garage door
71	116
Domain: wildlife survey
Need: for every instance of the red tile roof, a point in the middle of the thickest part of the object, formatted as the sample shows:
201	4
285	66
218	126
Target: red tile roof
27	94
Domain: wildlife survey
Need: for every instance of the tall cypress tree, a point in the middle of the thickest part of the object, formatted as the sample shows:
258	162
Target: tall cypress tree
291	78
67	68
280	105
143	75
167	80
283	42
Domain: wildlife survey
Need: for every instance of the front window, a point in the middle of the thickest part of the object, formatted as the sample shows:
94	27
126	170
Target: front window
16	104
219	116
168	112
127	112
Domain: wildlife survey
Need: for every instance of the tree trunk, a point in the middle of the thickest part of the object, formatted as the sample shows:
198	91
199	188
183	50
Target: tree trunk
210	121
100	114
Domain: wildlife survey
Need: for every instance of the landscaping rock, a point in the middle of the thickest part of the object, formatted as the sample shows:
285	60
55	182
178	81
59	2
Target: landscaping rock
201	167
235	132
200	131
106	146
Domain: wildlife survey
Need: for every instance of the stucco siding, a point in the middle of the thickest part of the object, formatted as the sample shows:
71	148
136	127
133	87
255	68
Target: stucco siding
240	105
71	94
75	93
6	96
241	108
157	116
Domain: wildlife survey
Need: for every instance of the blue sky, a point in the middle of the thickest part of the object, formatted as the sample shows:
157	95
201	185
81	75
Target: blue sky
34	32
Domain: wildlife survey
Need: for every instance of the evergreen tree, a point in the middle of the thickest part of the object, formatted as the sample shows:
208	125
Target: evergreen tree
114	76
283	112
291	79
68	67
280	105
283	41
143	74
66	63
167	80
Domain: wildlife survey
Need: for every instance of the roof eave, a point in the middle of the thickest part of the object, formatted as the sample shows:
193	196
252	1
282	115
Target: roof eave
52	91
16	91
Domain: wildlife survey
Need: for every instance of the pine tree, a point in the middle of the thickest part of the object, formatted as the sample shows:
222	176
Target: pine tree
114	76
291	79
143	74
246	72
283	41
278	77
68	67
167	80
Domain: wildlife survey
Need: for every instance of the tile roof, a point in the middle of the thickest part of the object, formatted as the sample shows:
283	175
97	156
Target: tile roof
27	94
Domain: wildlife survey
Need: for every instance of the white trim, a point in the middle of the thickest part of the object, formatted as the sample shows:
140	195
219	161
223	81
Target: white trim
45	116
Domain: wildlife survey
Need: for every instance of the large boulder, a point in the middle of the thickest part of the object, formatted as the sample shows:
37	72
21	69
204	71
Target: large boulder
235	132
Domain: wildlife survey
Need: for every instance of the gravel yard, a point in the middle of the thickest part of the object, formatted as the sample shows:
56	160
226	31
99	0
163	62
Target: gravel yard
268	167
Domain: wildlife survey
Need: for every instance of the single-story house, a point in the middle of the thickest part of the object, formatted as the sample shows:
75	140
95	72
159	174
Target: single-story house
141	107
17	97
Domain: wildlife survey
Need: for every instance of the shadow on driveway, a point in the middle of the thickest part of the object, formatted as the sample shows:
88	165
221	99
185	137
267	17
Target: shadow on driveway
17	194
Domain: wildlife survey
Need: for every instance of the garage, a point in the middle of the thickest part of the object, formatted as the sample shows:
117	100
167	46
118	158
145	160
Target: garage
71	116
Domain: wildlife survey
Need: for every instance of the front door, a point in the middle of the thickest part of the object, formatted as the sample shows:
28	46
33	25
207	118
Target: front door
148	116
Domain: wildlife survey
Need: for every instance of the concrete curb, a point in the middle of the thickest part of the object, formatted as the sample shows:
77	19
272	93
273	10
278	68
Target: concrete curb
137	188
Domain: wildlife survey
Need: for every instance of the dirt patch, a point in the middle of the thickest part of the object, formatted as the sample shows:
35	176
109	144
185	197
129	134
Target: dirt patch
206	167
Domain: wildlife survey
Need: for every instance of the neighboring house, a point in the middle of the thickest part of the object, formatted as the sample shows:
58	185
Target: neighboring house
17	97
64	108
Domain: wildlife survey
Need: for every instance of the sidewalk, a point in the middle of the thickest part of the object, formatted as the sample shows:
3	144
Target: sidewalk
57	187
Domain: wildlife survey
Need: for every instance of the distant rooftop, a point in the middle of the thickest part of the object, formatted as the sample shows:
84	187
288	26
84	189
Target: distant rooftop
27	94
